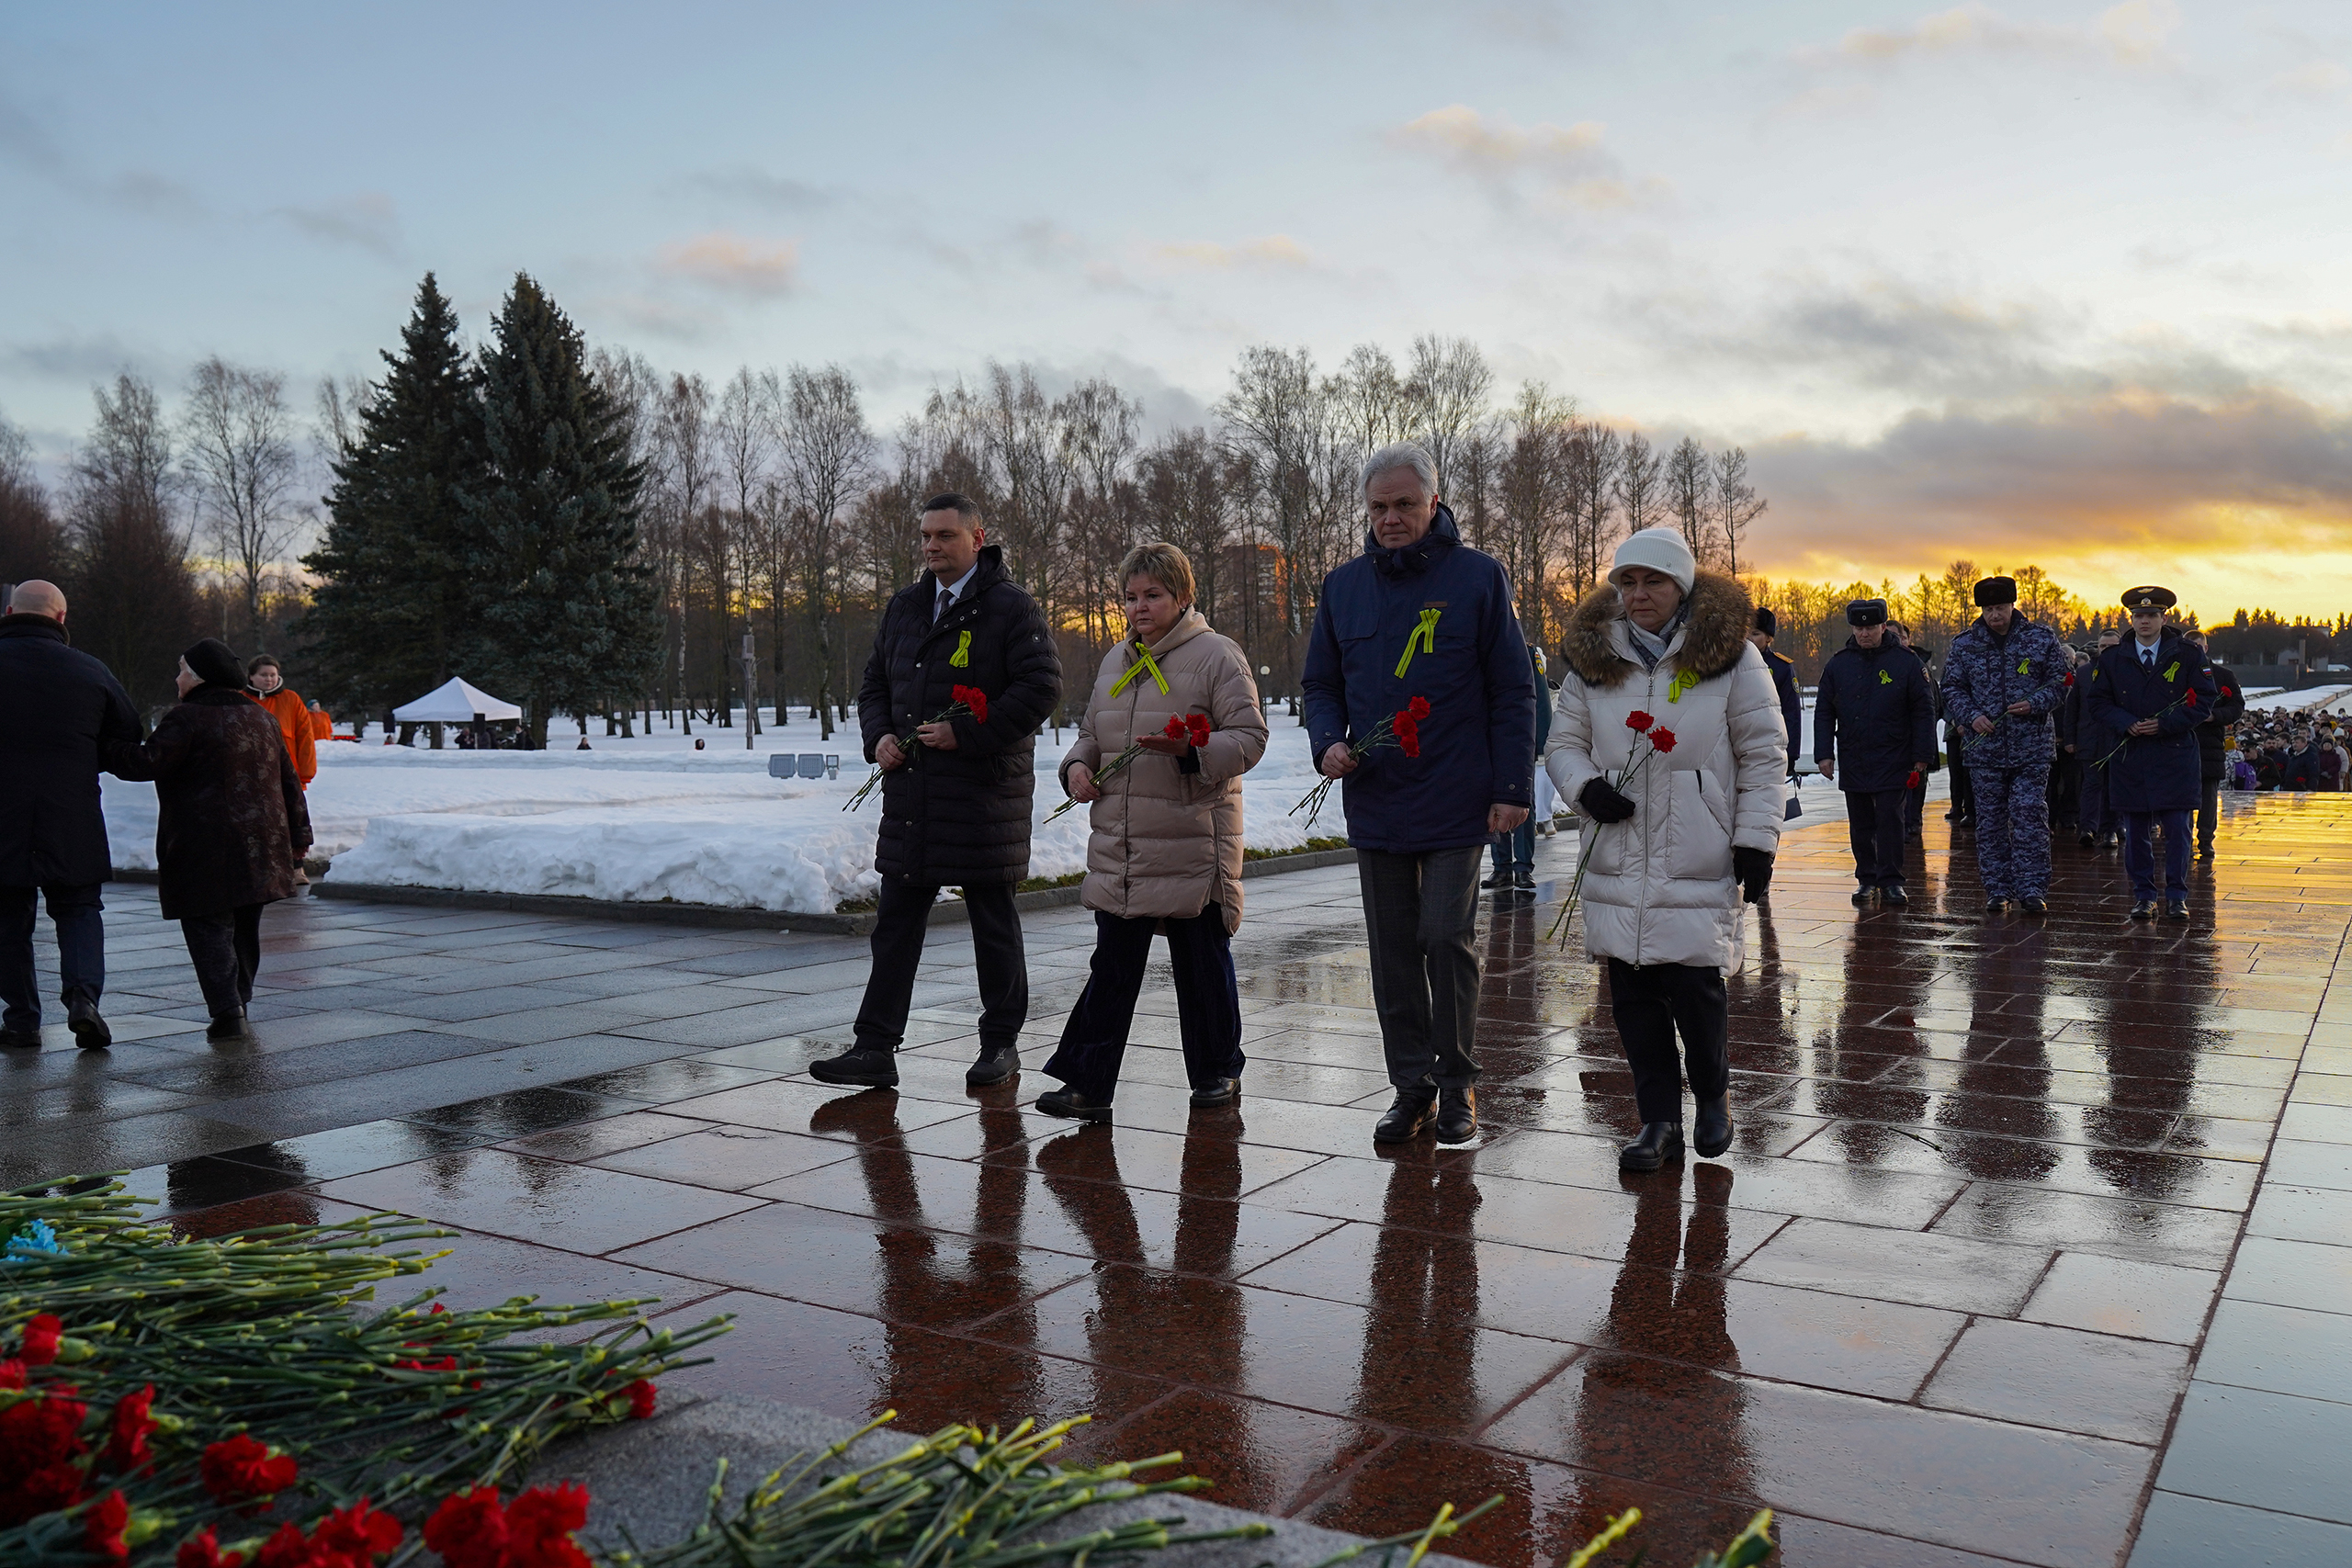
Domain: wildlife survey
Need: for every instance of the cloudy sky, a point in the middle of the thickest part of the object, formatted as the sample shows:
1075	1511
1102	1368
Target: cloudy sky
2057	282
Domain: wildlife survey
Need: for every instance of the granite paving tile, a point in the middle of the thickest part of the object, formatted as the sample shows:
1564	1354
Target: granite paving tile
574	1207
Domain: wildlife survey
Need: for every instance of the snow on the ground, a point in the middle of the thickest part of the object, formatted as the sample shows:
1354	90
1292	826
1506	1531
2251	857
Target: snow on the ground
652	820
2316	699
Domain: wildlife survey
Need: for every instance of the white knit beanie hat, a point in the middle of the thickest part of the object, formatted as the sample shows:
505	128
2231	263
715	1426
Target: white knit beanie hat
1660	549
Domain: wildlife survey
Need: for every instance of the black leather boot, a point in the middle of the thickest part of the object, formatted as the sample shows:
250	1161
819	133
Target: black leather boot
996	1064
1659	1142
1070	1103
1405	1117
1711	1134
229	1026
1457	1115
862	1069
90	1031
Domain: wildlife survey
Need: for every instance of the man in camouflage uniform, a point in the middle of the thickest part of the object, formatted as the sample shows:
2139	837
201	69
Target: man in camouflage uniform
2002	678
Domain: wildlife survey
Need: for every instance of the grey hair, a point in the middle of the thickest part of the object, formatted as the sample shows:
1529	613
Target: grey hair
1401	455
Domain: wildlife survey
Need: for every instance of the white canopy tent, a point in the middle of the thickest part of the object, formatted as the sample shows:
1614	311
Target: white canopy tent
456	702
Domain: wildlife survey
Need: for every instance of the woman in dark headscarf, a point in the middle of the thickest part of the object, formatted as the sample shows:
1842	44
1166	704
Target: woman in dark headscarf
231	828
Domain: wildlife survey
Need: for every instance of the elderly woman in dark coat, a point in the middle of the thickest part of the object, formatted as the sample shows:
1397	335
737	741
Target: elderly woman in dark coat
232	827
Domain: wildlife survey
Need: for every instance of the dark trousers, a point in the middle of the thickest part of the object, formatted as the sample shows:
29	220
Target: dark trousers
1421	912
1516	849
898	926
81	950
1650	1003
2140	854
225	947
2096	818
2065	790
1875	826
1963	794
2208	814
1914	806
1209	1002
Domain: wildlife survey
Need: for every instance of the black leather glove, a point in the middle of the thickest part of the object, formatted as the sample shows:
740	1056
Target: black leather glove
1753	870
1603	804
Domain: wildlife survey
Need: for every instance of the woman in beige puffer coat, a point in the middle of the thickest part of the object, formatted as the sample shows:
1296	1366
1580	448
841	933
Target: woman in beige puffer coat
1670	852
1165	852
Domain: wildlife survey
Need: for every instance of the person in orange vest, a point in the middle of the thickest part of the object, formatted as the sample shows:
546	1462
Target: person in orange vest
321	724
293	717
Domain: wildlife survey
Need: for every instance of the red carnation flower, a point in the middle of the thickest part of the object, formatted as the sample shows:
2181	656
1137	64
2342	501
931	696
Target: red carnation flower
468	1530
102	1528
240	1470
974	698
356	1536
640	1399
202	1549
1913	781
2189	698
1199	725
42	1334
39	1440
42	1491
1175	728
2069	679
126	1438
1662	737
540	1524
290	1548
1637	720
12	1374
1418	707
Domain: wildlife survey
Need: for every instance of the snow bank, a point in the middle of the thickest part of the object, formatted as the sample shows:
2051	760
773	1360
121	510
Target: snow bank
653	820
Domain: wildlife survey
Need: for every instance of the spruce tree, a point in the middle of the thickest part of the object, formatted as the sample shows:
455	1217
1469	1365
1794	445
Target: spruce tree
558	594
388	621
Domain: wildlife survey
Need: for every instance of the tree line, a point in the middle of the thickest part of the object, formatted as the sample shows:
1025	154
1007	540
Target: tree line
581	532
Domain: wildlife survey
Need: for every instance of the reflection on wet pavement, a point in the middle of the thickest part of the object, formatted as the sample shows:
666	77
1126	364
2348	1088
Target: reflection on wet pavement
1942	1302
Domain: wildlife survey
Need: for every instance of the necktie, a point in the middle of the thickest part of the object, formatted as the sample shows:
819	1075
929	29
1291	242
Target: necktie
2147	658
939	606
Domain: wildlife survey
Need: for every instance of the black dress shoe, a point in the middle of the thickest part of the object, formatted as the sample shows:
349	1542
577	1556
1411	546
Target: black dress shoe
1997	906
1862	897
1404	1120
1501	879
1711	1133
1659	1142
1895	896
2034	905
2089	841
1523	878
2144	910
1218	1091
90	1031
226	1026
997	1064
1070	1103
2176	910
1457	1115
20	1039
2110	841
858	1068
2204	852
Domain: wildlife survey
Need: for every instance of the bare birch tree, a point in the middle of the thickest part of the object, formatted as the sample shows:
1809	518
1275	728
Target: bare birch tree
1690	480
242	466
1641	491
828	458
1448	390
1736	503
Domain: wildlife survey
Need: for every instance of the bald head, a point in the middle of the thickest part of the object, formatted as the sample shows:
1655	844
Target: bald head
38	598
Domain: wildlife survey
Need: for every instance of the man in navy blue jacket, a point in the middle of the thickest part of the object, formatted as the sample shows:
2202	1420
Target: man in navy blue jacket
1422	614
2151	692
1872	720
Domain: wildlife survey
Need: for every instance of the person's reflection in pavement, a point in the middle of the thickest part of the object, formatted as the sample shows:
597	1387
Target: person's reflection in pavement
1858	1082
2152	1026
1420	1341
1645	1419
934	1280
1211	1321
2007	1054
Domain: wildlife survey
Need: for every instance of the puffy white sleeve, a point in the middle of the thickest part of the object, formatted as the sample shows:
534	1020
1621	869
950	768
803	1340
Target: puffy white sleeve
1759	747
1567	755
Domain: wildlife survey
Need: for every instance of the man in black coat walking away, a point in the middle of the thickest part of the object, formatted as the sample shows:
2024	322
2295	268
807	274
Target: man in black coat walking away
956	788
1871	717
60	709
2212	739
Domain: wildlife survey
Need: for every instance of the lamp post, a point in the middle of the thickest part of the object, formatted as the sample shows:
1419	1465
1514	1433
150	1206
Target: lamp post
750	693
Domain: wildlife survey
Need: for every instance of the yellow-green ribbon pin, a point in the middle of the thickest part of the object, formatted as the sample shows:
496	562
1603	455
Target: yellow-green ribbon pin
2171	671
1686	679
1422	636
962	658
2022	664
1143	662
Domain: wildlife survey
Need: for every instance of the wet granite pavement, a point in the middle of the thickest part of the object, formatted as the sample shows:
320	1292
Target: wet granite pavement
2035	1245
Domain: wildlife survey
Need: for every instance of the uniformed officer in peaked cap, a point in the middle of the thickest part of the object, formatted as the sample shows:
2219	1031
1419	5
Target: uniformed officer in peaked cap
2002	679
2150	692
1873	727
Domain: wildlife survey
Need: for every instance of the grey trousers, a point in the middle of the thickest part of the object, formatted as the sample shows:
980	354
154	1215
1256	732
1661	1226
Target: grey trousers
1422	912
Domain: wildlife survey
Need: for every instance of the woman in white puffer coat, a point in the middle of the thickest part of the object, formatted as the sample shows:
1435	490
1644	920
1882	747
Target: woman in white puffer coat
1670	862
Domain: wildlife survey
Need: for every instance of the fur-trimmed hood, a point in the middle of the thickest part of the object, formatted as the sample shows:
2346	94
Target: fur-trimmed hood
1714	636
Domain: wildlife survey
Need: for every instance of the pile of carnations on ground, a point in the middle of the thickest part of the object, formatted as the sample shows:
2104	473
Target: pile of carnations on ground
250	1401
